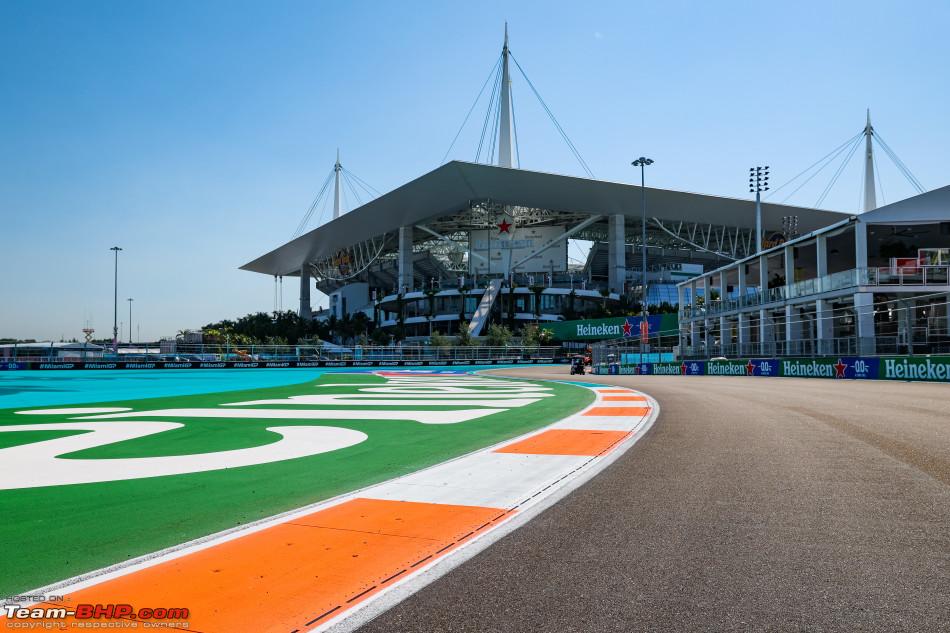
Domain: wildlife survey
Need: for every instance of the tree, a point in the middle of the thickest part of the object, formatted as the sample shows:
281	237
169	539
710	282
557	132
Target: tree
464	338
499	336
529	336
545	336
437	339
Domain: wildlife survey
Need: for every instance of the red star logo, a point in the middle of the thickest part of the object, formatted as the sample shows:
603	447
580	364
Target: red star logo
839	369
750	369
683	369
627	328
504	227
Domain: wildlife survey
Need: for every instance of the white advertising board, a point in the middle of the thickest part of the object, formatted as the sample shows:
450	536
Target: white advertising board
495	252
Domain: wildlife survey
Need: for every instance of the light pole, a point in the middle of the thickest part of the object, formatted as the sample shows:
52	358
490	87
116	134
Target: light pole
758	182
130	300
115	302
642	162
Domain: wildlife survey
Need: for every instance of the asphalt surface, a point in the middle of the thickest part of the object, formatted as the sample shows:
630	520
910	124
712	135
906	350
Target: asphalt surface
774	504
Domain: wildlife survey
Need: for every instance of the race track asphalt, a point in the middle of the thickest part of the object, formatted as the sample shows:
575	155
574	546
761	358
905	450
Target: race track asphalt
753	504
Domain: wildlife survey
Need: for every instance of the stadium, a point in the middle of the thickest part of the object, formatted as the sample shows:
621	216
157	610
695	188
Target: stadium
469	244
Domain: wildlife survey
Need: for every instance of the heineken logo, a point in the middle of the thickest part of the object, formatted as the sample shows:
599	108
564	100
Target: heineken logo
586	329
814	368
721	368
924	369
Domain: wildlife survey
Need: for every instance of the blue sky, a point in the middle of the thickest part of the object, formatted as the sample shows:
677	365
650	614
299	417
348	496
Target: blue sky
195	134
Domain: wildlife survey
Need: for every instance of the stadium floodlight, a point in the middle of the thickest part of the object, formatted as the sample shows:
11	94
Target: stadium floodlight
115	302
758	182
642	163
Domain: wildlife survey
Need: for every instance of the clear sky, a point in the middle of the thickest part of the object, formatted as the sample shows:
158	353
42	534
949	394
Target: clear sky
195	134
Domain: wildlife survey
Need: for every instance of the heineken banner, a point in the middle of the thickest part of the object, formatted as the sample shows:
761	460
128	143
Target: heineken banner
929	368
617	327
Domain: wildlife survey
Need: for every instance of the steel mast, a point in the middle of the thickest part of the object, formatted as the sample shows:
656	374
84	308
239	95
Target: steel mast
870	199
337	168
504	121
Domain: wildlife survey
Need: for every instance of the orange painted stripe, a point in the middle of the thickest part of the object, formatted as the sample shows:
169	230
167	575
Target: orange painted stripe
623	399
616	411
298	574
566	442
612	390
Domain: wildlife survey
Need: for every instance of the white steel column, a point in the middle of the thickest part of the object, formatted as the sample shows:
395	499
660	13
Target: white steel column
694	322
863	301
723	321
616	256
504	119
864	315
707	333
860	246
743	318
824	327
337	168
681	297
765	337
404	279
793	324
870	200
305	311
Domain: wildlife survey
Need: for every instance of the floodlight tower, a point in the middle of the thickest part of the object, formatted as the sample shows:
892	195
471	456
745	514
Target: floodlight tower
130	300
758	182
642	163
115	301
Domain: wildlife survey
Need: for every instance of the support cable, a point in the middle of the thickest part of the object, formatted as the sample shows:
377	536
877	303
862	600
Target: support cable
313	205
880	183
834	178
899	163
495	127
514	124
356	195
830	156
491	74
838	152
373	191
491	103
554	120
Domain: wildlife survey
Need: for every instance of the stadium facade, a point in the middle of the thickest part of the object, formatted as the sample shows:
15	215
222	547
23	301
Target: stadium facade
870	284
468	243
471	243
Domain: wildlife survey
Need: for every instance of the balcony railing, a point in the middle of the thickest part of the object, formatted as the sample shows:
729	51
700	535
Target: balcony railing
928	276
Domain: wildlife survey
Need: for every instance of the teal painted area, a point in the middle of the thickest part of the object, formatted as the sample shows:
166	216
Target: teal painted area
54	388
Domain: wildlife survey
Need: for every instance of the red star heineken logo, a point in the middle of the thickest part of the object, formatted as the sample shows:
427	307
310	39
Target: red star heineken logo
504	227
750	369
627	328
839	368
683	369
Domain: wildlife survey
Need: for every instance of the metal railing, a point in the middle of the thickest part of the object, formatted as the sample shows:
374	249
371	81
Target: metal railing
211	352
927	276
